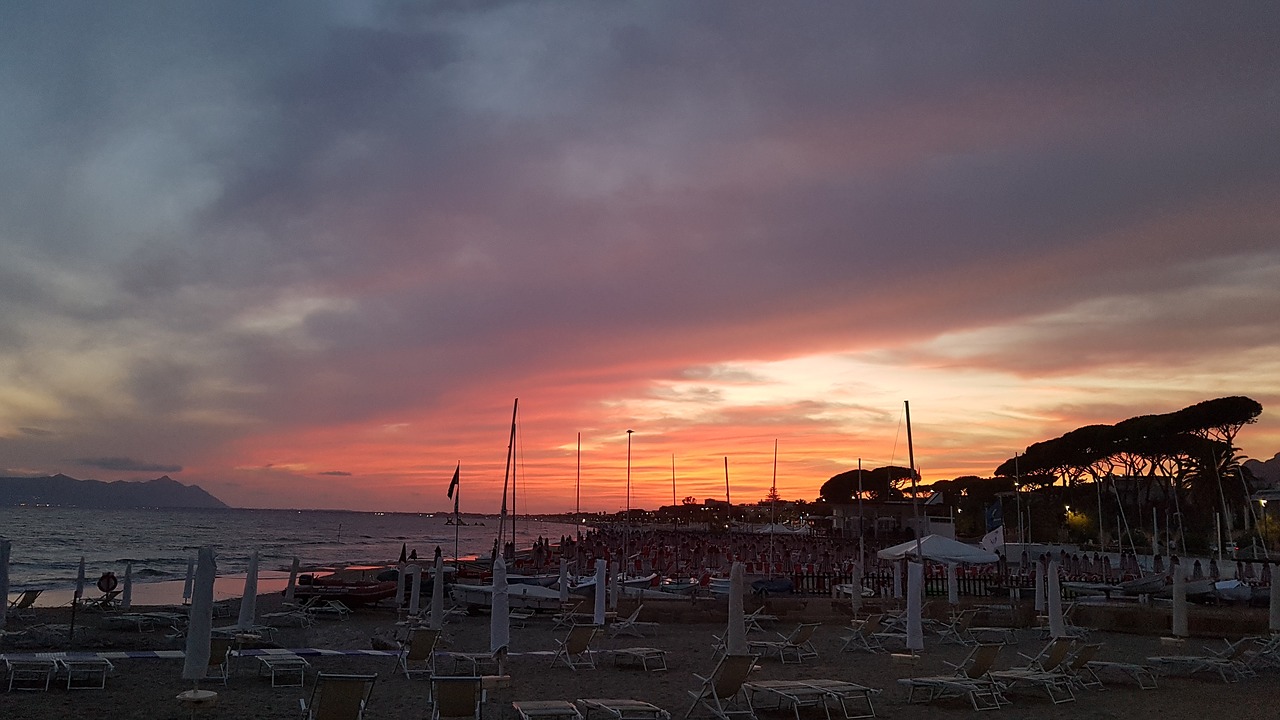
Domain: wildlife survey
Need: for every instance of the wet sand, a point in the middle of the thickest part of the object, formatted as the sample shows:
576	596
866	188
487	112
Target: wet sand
146	688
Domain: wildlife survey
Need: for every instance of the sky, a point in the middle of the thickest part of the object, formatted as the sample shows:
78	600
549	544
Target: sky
308	254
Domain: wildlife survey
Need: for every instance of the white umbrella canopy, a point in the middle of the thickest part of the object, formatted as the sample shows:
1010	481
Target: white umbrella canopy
1053	586
200	622
564	581
187	584
415	588
601	573
915	624
6	546
80	580
939	549
499	618
735	638
126	595
437	593
1179	622
293	581
249	600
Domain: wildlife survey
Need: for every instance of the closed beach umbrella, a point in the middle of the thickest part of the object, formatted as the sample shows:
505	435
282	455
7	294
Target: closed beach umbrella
437	593
613	586
402	587
249	600
415	588
200	621
80	581
1179	601
855	592
601	580
953	585
1274	617
499	618
915	624
126	595
897	580
564	581
1039	602
191	574
293	581
735	638
1053	586
5	547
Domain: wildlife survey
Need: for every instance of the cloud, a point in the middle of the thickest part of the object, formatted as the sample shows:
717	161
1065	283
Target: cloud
291	238
127	464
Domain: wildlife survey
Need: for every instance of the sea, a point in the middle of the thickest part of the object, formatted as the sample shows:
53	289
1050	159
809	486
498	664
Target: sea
48	543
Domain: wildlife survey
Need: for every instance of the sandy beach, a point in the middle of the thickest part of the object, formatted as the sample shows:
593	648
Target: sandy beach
146	688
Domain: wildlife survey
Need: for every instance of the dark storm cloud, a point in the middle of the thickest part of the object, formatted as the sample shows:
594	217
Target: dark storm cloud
128	464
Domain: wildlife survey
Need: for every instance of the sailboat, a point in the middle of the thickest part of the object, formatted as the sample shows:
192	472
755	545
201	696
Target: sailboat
524	591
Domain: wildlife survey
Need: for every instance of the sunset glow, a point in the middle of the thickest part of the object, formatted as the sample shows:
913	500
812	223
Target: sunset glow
309	258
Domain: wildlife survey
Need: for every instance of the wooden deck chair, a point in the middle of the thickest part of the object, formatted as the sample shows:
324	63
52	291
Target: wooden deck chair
575	649
798	644
22	608
722	692
338	697
417	652
865	635
971	680
456	697
219	659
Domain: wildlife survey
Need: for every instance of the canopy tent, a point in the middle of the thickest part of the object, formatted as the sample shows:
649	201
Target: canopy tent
939	549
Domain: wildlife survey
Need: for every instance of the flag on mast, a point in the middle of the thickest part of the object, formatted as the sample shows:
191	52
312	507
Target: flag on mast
453	487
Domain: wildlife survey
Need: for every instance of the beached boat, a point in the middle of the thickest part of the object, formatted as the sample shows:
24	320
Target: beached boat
349	591
532	597
544	580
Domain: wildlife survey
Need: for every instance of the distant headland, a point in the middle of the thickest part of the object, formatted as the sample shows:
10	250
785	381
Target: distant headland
64	491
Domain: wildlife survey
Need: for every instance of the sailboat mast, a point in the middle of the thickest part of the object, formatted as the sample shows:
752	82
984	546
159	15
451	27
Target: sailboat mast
915	498
577	494
773	504
506	480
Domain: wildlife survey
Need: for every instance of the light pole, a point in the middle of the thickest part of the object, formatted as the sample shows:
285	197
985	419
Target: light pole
626	537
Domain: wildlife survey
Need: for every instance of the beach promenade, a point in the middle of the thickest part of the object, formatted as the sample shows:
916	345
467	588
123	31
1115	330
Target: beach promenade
145	687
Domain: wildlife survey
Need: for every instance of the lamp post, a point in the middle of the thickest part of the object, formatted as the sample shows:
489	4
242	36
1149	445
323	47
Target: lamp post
626	538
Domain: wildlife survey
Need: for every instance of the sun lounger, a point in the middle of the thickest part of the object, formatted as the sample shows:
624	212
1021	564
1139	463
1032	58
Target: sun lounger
546	710
417	652
1230	664
332	608
796	694
22	608
85	672
31	674
622	709
971	681
630	625
957	631
753	619
456	697
798	644
285	670
643	656
475	664
338	697
722	692
1046	670
575	649
865	635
